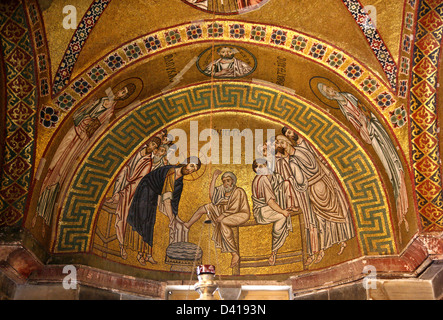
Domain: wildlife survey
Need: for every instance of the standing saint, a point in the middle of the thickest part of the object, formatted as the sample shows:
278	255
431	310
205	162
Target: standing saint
291	187
373	133
327	199
87	122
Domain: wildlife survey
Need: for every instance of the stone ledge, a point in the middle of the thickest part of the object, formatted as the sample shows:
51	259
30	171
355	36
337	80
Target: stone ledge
421	251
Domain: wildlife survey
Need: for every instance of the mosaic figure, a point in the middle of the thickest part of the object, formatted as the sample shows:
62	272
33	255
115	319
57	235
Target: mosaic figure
228	208
160	189
265	208
291	190
327	200
89	120
126	184
227	66
373	133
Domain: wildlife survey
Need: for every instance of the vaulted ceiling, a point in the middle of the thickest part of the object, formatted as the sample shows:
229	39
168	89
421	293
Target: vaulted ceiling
383	54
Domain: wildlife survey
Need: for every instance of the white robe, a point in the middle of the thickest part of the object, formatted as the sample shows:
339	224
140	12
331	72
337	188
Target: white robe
262	193
373	133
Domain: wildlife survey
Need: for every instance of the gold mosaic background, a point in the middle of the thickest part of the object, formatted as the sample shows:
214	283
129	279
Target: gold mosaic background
280	68
254	241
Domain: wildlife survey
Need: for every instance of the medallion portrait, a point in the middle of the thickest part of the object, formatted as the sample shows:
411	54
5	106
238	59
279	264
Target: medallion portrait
226	62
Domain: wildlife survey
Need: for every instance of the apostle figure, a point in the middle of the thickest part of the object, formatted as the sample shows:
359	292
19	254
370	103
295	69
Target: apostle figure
266	151
327	199
126	184
291	188
373	133
227	66
162	189
265	208
160	156
87	122
228	208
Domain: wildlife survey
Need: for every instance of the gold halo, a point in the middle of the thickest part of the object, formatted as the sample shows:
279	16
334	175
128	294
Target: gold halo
313	84
195	175
120	104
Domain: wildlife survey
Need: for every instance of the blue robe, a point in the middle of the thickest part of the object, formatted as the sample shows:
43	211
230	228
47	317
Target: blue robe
143	209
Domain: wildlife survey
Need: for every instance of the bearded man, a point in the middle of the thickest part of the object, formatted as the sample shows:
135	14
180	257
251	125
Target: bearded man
228	66
291	188
327	199
229	208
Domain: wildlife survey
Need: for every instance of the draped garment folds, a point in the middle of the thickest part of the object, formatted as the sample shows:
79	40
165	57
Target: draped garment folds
262	193
237	212
74	143
372	132
236	68
126	184
327	200
290	186
143	209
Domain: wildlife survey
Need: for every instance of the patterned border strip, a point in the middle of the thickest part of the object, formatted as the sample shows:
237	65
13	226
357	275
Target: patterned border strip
368	84
48	116
355	169
400	117
374	39
423	113
63	74
17	51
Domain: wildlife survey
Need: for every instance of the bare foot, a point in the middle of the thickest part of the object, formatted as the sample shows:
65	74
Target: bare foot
123	253
272	258
235	260
309	260
140	259
320	256
34	220
151	260
406	225
342	248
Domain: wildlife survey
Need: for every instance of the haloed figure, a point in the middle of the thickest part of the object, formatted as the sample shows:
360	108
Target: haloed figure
87	122
373	133
228	66
160	189
228	208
